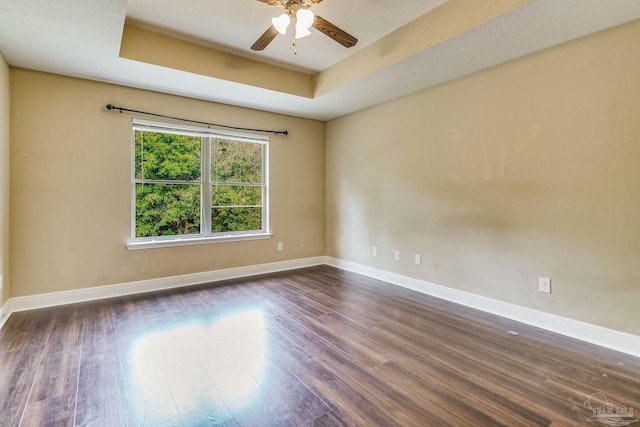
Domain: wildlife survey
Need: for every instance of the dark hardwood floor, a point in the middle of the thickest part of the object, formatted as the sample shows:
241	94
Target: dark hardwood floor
312	347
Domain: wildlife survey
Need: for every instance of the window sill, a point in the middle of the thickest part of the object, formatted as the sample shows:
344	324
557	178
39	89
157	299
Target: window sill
166	243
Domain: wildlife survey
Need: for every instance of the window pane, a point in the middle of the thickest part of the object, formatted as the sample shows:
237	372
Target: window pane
167	210
236	161
236	208
165	156
227	195
235	219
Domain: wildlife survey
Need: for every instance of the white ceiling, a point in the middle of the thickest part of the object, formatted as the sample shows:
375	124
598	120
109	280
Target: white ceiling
81	38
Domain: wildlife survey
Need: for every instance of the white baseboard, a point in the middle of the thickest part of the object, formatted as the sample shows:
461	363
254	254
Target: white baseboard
614	340
5	312
52	299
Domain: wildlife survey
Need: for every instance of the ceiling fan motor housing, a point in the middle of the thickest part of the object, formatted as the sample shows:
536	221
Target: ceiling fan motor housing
292	6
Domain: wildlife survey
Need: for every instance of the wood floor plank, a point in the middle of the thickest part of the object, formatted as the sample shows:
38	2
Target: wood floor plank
102	396
53	395
364	353
344	398
297	402
28	329
17	370
328	419
181	349
129	330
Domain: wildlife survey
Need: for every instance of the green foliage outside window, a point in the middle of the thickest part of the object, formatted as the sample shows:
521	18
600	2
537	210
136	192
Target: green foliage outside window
168	171
236	208
167	210
236	161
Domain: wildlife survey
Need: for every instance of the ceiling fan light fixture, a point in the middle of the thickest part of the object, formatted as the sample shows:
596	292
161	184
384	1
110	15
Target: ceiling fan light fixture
281	23
304	21
301	31
305	17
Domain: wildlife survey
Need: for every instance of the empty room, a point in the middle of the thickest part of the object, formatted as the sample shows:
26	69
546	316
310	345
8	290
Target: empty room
319	213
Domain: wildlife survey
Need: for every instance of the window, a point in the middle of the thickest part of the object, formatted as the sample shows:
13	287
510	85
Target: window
193	185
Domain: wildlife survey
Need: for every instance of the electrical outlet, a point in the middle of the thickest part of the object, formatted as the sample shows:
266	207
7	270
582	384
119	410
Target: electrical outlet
544	284
418	260
374	251
280	246
397	256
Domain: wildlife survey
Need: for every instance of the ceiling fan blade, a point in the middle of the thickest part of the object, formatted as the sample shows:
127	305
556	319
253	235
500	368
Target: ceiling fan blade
266	38
327	28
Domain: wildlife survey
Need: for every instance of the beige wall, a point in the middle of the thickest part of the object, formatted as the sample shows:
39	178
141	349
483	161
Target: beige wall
528	169
71	189
4	179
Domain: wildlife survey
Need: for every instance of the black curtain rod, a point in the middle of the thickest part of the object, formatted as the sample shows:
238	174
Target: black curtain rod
121	109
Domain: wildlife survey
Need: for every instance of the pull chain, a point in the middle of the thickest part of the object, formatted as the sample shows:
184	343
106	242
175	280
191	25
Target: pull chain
295	49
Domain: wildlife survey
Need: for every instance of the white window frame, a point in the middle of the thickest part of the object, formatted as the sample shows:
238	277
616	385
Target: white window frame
205	236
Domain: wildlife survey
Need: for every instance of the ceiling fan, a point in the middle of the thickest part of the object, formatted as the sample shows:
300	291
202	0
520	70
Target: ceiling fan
297	11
